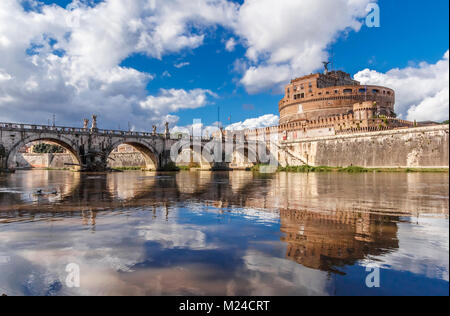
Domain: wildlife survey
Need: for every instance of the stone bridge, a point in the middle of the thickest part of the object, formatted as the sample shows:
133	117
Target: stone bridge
91	147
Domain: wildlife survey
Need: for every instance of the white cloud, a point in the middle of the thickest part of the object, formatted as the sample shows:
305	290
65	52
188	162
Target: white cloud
230	45
204	130
422	92
253	123
290	38
181	65
166	74
4	76
67	61
173	100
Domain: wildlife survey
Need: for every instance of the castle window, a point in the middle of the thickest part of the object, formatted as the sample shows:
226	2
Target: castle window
376	91
348	91
302	95
336	91
362	90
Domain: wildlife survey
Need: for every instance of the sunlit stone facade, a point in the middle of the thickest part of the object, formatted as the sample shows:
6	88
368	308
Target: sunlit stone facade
320	96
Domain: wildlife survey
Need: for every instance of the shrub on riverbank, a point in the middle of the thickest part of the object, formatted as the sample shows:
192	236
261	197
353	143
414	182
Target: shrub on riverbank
351	169
128	168
354	169
170	167
306	169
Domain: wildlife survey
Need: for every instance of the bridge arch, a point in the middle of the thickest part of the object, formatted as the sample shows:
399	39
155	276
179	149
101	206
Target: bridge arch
62	141
185	153
150	154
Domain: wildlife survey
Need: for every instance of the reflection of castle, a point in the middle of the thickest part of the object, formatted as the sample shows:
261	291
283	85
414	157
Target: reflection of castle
326	241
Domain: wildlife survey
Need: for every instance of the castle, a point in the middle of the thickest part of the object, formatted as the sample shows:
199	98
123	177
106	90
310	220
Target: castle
332	103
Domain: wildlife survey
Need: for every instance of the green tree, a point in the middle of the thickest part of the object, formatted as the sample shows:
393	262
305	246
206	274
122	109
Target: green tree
48	149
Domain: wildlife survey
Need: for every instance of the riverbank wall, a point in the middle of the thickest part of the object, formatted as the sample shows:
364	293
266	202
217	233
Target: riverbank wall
423	147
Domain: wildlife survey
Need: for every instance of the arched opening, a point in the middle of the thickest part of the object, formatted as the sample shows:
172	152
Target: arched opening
243	158
132	156
44	153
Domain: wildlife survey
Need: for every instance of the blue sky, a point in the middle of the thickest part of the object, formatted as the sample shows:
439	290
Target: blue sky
412	32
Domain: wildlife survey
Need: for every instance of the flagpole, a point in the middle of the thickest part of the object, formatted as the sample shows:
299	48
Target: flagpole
218	116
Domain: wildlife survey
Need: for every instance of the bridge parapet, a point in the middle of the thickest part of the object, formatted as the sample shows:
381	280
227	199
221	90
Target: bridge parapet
74	130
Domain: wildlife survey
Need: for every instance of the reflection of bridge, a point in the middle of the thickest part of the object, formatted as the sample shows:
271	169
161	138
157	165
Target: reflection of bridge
327	236
91	147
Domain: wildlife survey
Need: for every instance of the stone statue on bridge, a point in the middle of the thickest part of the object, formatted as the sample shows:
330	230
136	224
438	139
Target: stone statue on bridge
94	123
167	131
86	124
154	130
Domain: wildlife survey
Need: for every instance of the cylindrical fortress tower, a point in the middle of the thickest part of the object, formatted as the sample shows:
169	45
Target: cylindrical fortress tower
319	96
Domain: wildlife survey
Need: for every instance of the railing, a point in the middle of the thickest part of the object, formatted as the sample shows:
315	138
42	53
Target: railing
64	129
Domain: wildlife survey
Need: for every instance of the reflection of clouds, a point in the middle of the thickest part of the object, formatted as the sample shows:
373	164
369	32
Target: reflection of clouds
114	258
285	276
254	215
424	248
262	217
173	235
38	260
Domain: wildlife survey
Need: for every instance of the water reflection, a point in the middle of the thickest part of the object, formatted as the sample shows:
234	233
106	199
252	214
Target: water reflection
231	233
329	240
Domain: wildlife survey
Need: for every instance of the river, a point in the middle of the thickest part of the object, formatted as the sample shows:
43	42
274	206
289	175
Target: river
224	233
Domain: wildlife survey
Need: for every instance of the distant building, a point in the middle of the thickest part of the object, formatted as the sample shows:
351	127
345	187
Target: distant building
332	103
124	148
